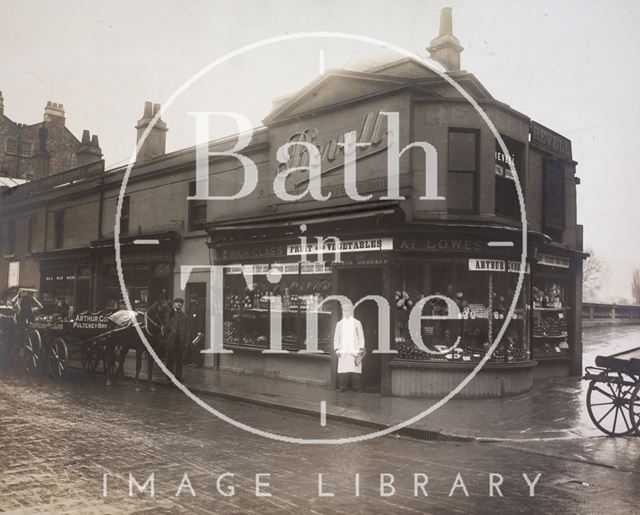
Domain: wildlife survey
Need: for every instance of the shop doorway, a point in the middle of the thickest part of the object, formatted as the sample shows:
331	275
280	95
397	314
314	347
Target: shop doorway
356	283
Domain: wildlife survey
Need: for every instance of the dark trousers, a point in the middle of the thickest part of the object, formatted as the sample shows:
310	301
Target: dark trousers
174	360
349	377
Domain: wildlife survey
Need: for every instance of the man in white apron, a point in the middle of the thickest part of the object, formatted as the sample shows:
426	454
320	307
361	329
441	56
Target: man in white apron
348	342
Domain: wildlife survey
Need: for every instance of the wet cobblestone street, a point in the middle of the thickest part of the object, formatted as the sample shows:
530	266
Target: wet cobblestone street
58	439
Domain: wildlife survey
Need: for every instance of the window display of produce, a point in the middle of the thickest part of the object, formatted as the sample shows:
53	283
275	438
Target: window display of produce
550	331
483	302
247	311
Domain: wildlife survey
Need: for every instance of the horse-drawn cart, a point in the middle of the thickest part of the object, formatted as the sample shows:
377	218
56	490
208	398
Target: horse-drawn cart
613	401
92	338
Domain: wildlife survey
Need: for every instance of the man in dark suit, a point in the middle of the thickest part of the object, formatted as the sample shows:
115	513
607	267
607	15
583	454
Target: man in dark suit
176	338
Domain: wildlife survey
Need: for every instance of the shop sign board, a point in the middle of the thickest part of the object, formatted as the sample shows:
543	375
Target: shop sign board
442	244
487	265
372	131
550	140
284	268
329	245
14	274
91	321
553	260
140	256
495	265
515	267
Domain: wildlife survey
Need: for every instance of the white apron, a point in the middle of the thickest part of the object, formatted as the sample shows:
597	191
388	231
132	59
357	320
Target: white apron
348	340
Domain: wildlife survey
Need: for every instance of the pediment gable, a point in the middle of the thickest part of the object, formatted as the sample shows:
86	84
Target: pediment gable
333	89
341	87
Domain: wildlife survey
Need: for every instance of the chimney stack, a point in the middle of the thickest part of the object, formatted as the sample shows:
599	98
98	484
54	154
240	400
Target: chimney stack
1	103
54	112
446	48
155	143
42	158
89	150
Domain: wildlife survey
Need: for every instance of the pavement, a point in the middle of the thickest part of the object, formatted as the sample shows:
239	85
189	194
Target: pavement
74	446
555	409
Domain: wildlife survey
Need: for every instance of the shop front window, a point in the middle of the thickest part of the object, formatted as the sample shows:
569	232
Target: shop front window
482	294
248	310
550	329
58	285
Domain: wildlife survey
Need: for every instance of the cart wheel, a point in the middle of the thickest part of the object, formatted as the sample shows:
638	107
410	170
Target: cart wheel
608	404
634	408
90	356
58	357
32	351
111	360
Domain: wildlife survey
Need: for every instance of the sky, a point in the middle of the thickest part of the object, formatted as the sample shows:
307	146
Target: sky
570	65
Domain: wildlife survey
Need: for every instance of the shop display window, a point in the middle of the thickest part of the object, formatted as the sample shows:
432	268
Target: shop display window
248	310
58	284
483	301
550	330
144	282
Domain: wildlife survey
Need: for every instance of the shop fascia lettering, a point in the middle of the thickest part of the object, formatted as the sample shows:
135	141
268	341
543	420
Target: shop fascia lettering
495	265
314	167
336	245
370	137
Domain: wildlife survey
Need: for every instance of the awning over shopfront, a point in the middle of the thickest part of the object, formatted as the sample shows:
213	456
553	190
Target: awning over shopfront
391	210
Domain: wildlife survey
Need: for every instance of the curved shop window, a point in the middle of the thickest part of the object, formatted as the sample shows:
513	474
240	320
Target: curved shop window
482	290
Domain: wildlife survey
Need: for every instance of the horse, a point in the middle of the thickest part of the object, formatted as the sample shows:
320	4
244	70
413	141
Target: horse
155	320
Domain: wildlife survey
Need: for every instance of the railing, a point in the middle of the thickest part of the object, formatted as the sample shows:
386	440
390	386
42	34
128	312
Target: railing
594	313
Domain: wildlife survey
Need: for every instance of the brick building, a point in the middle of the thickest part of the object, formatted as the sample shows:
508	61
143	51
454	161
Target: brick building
61	240
32	151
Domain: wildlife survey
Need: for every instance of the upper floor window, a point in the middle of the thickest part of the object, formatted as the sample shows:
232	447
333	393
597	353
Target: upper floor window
11	237
507	202
197	210
124	216
11	146
462	176
58	229
21	148
553	199
24	149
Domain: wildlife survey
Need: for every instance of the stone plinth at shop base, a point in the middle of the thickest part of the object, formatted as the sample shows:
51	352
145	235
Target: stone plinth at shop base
559	366
434	380
314	369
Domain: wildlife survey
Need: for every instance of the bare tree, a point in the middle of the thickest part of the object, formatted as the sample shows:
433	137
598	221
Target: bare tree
635	286
593	274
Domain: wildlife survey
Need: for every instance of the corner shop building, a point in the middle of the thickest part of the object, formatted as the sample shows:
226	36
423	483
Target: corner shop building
405	250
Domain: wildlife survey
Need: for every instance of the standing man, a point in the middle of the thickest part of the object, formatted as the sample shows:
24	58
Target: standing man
176	338
348	342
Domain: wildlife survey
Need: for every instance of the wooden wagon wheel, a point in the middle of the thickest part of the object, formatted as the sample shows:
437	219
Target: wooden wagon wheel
111	360
608	403
58	358
634	408
32	351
